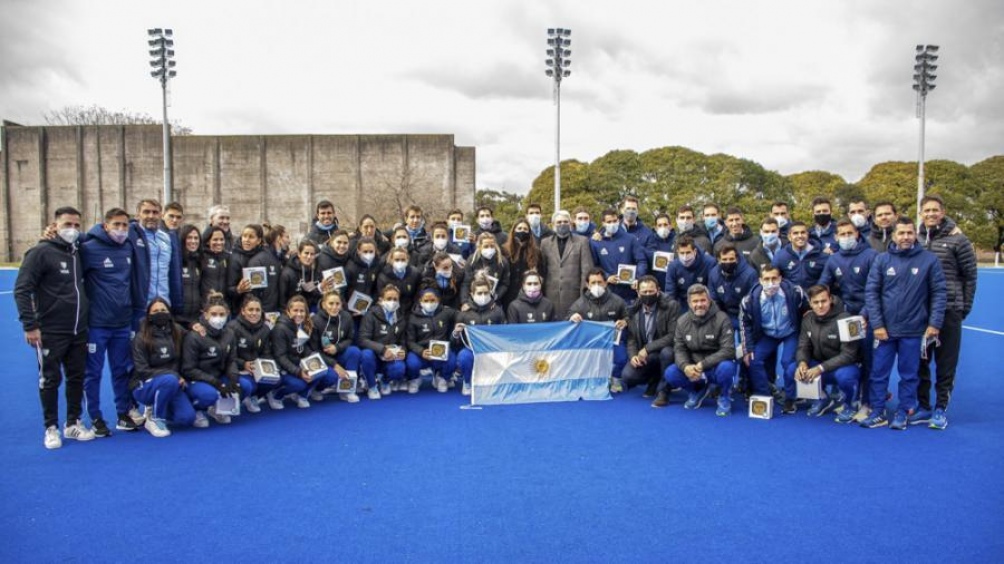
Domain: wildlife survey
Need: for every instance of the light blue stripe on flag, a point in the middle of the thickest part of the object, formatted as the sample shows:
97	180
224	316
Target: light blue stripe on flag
539	362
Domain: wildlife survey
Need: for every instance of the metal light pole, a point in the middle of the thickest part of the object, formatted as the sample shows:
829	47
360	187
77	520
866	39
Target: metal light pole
558	61
163	69
923	82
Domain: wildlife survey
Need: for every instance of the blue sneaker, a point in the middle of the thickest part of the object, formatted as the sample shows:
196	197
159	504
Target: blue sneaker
820	407
724	407
899	421
847	414
919	417
876	419
939	420
695	399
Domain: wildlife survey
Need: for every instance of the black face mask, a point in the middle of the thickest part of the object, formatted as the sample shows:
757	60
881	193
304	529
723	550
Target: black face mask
822	219
649	299
729	268
522	236
160	319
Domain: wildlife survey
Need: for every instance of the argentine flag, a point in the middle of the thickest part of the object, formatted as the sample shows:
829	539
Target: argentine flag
535	362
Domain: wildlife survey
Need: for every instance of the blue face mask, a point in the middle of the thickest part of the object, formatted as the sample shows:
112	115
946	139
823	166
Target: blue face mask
711	223
769	239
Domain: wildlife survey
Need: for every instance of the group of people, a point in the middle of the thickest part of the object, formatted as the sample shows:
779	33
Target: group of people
184	316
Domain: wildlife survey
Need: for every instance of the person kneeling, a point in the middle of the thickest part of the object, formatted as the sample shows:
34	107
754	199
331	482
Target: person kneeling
704	351
822	354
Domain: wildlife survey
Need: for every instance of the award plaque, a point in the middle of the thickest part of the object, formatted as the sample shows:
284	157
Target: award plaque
271	317
348	385
809	390
439	350
851	328
337	274
313	364
661	260
359	302
265	371
229	404
761	407
460	233
626	273
257	276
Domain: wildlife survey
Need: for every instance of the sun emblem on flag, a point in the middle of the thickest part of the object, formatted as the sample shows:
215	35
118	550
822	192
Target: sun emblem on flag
542	366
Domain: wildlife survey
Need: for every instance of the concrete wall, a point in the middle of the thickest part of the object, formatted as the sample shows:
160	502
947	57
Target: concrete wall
275	177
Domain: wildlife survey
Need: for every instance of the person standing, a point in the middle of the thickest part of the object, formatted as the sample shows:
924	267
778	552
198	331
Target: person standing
156	260
883	225
905	297
52	307
942	237
325	223
801	262
219	216
613	246
567	261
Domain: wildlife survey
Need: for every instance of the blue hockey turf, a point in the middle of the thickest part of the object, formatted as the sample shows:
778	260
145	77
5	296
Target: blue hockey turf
419	479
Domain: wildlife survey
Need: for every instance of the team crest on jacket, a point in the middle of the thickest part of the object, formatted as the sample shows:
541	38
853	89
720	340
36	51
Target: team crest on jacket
242	343
914	270
721	289
791	264
857	270
838	272
212	351
108	263
603	252
890	272
812	263
589	314
621	249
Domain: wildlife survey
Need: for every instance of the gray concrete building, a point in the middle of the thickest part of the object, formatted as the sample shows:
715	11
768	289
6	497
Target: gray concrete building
277	178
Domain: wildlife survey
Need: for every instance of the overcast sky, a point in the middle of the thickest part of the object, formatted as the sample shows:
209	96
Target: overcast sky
794	85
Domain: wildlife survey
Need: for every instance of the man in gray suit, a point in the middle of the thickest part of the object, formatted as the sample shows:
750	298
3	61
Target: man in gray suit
568	261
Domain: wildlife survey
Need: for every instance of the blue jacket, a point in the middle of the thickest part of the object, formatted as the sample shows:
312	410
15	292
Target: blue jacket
824	238
680	278
906	292
846	273
805	271
728	292
657	243
751	319
108	279
641	233
141	269
622	248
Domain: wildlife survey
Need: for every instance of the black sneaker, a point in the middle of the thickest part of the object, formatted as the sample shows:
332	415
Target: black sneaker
790	406
651	390
125	423
101	429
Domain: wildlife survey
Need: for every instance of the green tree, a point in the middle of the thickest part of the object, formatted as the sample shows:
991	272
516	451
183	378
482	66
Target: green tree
809	185
505	206
574	188
987	182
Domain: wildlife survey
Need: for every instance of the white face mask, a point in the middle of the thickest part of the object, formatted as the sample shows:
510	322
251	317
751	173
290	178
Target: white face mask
687	260
439	243
859	220
662	232
847	243
611	228
485	222
534	220
400	266
401	242
771	288
429	308
391	306
482	299
368	257
597	290
684	225
218	322
444	274
119	236
582	225
70	235
781	220
488	252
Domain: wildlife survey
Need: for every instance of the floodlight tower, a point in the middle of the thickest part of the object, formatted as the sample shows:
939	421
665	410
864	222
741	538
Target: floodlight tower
923	82
558	61
162	56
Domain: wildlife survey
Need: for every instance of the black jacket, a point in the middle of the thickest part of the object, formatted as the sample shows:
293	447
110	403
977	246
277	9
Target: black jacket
249	342
880	238
407	286
259	257
361	277
491	314
496	230
214	272
745	243
498	267
294	279
819	339
375	333
339	331
285	351
525	310
49	291
423	328
191	287
666	313
709	340
608	307
958	261
163	356
450	293
207	358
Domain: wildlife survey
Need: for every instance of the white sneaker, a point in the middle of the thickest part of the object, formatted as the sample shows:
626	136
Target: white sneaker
147	412
157	427
361	385
373	394
52	438
137	417
453	381
201	421
466	389
441	385
863	412
350	397
274	403
251	405
301	401
318	396
220	418
78	432
385	389
414	385
395	385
